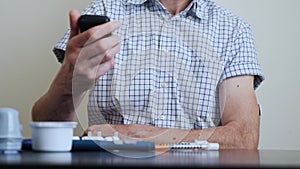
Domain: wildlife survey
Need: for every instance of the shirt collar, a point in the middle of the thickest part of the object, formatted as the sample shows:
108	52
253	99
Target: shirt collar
199	7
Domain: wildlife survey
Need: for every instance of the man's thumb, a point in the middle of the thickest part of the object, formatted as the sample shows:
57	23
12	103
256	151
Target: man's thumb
74	16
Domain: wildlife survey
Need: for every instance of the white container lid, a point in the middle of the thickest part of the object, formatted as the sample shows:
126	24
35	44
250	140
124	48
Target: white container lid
53	124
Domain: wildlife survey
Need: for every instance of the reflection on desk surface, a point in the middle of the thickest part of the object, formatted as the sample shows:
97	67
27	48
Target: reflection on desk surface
171	158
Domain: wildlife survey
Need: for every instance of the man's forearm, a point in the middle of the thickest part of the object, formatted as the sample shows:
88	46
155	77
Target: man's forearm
50	108
59	103
56	107
228	137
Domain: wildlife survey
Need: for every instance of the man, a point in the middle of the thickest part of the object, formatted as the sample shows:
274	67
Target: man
163	70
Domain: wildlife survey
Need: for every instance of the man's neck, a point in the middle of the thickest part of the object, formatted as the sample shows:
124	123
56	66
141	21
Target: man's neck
175	6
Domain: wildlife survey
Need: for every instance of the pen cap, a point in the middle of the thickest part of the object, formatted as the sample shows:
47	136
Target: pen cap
212	146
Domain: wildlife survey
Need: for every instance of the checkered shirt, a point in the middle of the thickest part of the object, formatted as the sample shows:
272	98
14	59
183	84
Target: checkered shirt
169	69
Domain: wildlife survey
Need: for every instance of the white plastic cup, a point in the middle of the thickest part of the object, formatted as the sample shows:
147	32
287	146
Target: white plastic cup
10	131
52	136
9	124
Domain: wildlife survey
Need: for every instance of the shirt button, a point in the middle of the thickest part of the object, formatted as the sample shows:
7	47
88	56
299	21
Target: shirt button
161	117
164	85
166	52
168	23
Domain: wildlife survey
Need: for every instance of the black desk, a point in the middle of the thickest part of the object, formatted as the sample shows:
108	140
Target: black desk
172	159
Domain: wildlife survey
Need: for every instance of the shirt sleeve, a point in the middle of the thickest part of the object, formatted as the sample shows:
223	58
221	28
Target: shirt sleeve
243	56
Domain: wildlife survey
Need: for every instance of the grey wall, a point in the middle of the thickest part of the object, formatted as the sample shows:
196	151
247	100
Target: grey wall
276	26
30	28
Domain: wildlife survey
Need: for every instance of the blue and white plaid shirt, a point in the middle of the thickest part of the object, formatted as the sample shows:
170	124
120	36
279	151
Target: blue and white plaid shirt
169	69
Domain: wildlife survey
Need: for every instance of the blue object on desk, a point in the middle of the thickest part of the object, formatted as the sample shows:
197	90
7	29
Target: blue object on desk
96	145
93	145
26	144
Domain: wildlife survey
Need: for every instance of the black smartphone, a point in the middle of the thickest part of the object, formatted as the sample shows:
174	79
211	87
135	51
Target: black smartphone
86	22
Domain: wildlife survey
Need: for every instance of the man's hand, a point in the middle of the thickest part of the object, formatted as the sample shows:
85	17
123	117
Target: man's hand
140	132
90	54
